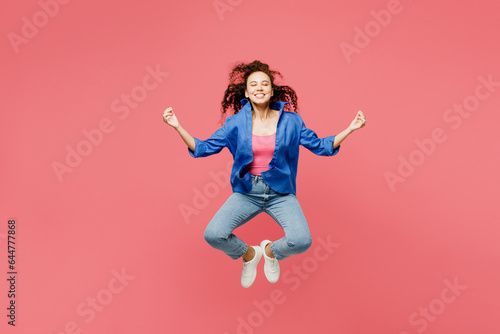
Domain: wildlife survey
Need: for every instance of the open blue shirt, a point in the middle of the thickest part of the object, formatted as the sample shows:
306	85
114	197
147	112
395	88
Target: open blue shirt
236	135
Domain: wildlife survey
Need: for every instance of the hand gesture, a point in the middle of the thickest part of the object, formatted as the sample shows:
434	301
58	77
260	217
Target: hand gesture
358	122
170	118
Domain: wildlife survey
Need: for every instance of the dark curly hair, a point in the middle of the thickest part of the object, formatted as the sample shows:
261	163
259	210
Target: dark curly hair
235	91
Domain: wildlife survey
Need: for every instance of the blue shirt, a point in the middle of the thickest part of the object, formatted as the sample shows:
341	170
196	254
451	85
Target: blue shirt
236	135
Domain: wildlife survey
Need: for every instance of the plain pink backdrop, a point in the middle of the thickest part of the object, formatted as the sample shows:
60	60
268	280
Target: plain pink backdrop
122	208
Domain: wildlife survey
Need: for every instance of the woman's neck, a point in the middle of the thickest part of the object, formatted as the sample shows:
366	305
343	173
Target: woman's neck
262	112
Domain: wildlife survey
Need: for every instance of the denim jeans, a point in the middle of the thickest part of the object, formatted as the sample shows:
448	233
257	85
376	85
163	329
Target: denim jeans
239	208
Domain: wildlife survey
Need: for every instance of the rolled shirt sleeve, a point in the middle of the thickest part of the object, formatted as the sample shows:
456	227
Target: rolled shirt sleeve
212	145
319	146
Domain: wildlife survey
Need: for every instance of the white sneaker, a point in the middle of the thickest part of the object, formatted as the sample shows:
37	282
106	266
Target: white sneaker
271	265
249	272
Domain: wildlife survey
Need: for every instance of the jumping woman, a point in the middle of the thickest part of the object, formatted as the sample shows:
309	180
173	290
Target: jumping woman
264	140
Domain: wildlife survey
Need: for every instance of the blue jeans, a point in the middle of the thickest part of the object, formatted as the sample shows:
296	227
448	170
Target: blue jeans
240	208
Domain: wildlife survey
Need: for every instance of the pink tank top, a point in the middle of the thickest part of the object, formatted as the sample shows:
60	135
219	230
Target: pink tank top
263	150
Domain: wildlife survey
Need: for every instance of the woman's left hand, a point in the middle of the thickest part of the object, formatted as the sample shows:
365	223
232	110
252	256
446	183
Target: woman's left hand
358	122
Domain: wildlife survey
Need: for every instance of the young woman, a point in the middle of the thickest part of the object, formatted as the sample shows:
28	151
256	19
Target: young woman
264	140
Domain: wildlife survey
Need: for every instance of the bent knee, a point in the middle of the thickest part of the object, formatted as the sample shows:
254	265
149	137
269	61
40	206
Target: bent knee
212	237
300	246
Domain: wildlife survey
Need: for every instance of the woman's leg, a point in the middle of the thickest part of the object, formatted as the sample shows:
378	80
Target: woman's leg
286	211
236	211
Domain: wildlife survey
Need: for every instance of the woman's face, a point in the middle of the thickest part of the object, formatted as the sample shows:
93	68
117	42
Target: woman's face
259	89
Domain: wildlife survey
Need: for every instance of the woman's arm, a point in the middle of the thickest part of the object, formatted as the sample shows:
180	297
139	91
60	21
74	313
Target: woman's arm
188	139
358	122
170	118
339	138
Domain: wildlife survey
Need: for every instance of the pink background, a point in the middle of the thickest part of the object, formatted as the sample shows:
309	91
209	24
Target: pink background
398	246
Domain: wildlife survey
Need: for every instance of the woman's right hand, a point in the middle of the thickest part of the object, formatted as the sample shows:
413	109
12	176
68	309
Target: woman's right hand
170	118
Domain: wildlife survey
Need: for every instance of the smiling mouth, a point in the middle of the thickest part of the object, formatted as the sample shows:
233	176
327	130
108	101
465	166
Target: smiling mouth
260	95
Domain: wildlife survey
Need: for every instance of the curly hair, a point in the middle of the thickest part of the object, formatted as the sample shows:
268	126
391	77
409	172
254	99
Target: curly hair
235	91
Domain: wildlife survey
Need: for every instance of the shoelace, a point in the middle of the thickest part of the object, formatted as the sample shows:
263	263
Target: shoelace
272	264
